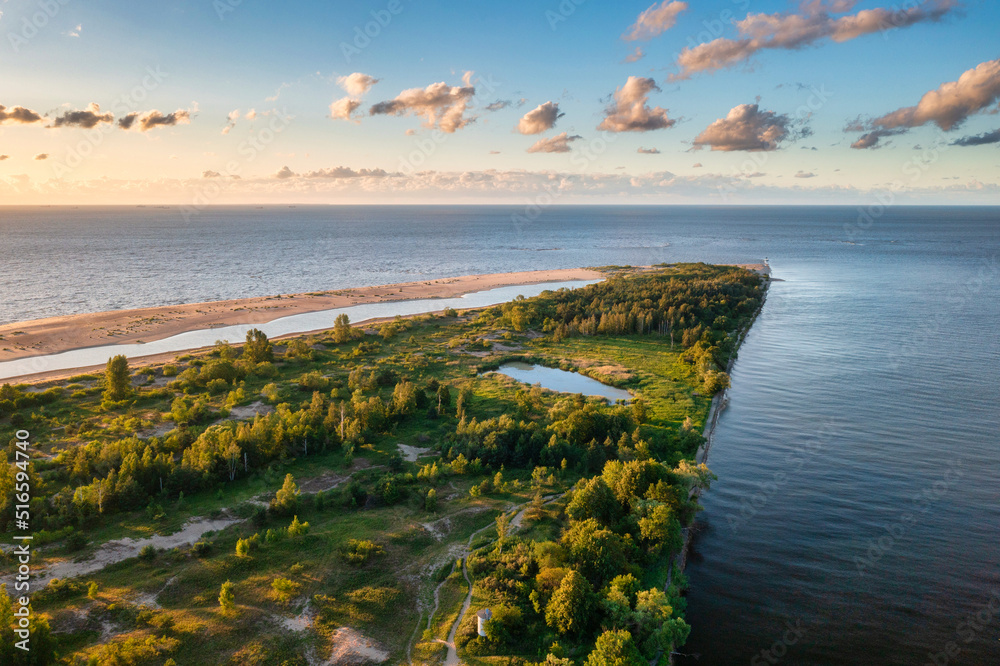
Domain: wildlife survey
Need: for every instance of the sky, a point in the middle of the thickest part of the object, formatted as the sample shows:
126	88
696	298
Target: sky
205	102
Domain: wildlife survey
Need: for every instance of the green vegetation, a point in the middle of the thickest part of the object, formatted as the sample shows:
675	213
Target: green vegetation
353	468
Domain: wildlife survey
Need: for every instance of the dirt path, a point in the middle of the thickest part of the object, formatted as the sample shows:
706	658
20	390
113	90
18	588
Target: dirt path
122	549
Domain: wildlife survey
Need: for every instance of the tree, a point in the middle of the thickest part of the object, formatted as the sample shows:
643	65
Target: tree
615	648
232	455
430	502
287	498
571	606
297	528
117	383
258	349
342	329
503	528
226	597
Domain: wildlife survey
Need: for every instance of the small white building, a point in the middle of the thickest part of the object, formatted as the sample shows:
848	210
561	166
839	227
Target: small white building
481	618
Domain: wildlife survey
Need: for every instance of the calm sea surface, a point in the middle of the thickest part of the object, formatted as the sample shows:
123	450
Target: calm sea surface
856	519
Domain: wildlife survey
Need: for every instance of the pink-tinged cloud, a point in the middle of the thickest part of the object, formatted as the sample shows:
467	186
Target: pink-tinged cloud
805	174
87	119
648	151
4	157
541	118
153	119
41	156
635	56
343	109
630	111
655	21
747	127
952	102
357	84
557	144
18	115
758	32
441	105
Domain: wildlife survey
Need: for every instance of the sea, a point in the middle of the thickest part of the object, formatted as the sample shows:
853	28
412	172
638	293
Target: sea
856	514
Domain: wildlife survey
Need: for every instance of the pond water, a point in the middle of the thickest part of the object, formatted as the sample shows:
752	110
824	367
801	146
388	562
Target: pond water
561	381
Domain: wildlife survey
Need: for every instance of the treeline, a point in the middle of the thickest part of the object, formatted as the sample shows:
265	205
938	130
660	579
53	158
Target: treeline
691	303
589	582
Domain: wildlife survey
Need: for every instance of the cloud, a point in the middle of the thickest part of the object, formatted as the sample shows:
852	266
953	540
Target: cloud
805	174
357	84
41	156
948	106
540	119
630	113
87	119
557	144
655	21
696	165
872	139
635	56
758	32
17	115
498	105
648	151
251	114
4	157
748	128
347	172
75	32
979	140
494	152
284	173
231	119
442	106
211	174
153	119
343	109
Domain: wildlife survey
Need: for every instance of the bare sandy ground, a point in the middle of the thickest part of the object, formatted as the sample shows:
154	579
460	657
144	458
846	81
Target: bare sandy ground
57	334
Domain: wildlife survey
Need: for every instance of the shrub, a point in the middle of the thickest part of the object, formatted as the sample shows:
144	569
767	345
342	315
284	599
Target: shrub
147	553
359	552
285	589
297	528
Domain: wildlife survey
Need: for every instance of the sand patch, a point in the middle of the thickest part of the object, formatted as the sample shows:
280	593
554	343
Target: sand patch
248	412
411	453
350	646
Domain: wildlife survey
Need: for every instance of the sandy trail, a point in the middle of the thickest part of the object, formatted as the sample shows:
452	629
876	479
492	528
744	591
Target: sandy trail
122	549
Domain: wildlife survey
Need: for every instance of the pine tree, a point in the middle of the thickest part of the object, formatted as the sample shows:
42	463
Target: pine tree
117	383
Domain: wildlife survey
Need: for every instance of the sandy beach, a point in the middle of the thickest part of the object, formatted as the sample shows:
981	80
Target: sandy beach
57	334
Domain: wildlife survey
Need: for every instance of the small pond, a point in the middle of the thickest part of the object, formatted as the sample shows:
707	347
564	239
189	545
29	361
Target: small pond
561	380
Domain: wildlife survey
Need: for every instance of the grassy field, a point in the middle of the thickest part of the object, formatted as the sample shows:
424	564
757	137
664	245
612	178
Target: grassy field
312	598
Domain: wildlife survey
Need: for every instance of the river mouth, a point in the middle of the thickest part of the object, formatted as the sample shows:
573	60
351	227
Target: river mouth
562	381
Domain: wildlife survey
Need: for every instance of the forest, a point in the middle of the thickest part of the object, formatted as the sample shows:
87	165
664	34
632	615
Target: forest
373	477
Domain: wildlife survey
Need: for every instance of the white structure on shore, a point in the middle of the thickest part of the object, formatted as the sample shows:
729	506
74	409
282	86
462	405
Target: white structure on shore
481	618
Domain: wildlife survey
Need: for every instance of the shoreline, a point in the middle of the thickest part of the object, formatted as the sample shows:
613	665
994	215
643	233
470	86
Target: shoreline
54	335
41	338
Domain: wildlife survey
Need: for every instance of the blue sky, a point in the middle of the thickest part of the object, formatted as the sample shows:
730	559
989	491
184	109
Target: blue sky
283	61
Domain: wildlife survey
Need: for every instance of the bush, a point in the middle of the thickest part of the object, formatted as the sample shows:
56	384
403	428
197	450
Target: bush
359	552
285	589
147	553
297	528
201	548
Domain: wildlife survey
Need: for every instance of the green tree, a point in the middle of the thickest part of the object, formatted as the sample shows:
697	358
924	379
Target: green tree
503	529
342	329
287	498
297	528
226	597
430	502
571	607
615	648
117	383
258	349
